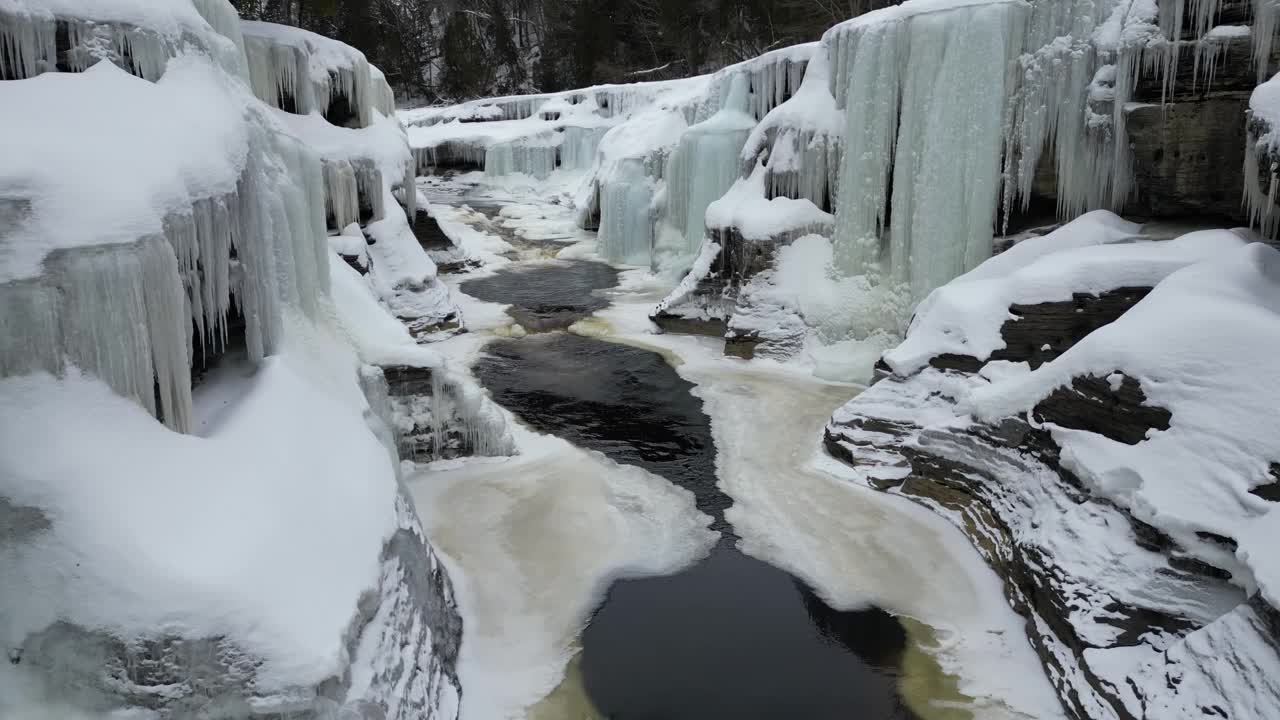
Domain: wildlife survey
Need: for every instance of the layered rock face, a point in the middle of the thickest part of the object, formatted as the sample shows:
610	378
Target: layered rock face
1128	591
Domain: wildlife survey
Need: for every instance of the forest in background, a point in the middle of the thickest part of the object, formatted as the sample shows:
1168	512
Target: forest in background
440	51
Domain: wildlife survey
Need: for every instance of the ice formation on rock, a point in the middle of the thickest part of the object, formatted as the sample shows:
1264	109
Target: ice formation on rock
302	72
909	79
130	253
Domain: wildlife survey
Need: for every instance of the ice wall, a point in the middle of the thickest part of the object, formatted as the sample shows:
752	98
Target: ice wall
131	240
923	87
702	167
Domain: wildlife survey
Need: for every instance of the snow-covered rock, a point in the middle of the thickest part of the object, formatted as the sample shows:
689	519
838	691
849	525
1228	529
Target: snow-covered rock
258	555
1120	489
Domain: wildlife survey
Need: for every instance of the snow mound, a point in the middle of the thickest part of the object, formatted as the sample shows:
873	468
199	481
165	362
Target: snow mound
1202	346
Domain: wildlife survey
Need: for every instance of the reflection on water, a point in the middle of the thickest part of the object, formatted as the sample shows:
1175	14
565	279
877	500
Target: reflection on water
733	637
730	637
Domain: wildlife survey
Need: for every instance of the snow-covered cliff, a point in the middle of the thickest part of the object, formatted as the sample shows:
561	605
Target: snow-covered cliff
200	503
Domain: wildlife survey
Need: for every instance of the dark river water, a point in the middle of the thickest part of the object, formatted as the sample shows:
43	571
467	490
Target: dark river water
730	637
547	296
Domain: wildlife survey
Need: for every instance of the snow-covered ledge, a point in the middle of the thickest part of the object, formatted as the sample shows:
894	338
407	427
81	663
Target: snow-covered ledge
258	555
1126	488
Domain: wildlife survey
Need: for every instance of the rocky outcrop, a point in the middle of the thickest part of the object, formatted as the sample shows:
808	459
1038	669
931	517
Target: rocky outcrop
403	643
1128	623
1056	547
713	300
1036	334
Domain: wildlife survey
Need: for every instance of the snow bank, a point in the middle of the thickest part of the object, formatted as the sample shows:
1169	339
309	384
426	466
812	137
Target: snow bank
1091	255
191	536
125	237
56	162
1202	345
745	209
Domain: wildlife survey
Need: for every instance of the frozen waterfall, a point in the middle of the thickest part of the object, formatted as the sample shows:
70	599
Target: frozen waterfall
700	170
923	89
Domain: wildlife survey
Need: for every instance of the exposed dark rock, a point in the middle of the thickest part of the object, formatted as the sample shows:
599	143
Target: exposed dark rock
1187	157
1270	491
706	311
356	262
669	322
995	490
1092	404
1041	332
741	345
428	232
1233	72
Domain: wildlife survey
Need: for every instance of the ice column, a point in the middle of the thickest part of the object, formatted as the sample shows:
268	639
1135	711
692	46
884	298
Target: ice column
115	311
700	170
626	223
924	94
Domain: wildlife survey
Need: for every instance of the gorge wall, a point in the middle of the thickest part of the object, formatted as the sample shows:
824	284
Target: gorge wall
206	263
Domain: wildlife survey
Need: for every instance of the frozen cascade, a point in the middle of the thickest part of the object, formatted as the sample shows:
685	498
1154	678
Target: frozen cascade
802	139
342	203
464	154
700	170
949	70
286	63
534	156
28	41
276	225
578	149
384	98
278	74
115	311
626	221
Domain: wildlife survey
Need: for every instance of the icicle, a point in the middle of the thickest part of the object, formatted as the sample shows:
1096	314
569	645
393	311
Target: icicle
534	156
868	59
342	199
279	74
29	334
700	170
409	192
384	99
114	311
626	224
1266	23
27	46
578	150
